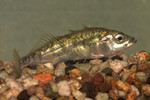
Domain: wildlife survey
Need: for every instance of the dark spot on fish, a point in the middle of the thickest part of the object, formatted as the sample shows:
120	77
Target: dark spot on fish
104	59
117	57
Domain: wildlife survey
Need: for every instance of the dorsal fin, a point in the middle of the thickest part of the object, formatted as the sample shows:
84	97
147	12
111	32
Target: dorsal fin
46	38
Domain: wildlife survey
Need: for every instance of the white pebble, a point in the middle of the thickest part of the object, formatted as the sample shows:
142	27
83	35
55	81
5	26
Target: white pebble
13	84
49	65
117	65
60	69
29	82
79	95
135	89
101	96
33	98
63	88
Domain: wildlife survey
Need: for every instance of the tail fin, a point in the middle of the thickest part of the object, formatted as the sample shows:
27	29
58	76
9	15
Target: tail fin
17	63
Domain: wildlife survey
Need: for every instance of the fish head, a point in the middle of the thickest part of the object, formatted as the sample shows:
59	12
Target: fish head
116	41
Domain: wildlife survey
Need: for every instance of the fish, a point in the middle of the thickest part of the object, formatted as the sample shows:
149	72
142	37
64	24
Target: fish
90	42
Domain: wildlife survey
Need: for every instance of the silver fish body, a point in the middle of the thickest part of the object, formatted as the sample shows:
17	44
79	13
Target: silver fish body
81	44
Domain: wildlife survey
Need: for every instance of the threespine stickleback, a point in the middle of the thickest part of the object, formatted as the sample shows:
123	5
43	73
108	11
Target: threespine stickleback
80	44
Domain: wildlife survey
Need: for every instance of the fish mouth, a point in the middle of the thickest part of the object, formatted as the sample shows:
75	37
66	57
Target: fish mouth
131	42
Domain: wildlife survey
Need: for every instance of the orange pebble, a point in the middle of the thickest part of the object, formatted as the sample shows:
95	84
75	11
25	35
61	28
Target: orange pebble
113	83
44	78
131	95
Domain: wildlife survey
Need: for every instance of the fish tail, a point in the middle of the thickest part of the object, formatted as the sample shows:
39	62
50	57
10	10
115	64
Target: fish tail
17	63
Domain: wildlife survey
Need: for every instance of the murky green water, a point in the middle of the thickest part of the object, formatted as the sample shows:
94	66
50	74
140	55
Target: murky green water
22	22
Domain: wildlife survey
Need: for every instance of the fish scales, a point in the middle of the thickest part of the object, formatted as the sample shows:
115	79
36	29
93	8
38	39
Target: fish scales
80	44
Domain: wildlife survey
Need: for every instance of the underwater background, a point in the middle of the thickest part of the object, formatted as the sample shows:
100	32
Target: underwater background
23	22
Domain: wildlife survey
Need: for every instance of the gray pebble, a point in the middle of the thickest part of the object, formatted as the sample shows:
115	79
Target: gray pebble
34	98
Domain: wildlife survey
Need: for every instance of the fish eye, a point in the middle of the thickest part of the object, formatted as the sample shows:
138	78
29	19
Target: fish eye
119	37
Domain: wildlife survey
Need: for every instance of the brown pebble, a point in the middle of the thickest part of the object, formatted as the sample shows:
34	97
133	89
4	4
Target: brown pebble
137	84
85	77
112	94
129	80
94	91
104	87
31	90
148	80
23	95
131	95
98	78
1	63
113	84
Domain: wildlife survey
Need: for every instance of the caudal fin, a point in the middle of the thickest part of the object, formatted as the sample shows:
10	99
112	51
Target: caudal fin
17	63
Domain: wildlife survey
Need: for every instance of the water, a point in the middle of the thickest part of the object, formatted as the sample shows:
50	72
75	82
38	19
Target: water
22	22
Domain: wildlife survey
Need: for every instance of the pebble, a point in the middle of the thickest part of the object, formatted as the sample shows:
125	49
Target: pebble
102	96
34	98
11	92
43	69
74	85
3	75
135	89
12	98
67	69
141	76
129	80
14	84
79	95
142	56
63	88
28	82
131	96
3	88
112	94
28	71
83	67
94	69
114	84
148	80
117	65
103	65
60	69
124	76
39	93
49	65
23	95
121	94
53	86
95	62
133	68
3	97
123	86
86	77
31	90
75	72
98	78
86	87
108	71
146	89
104	87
